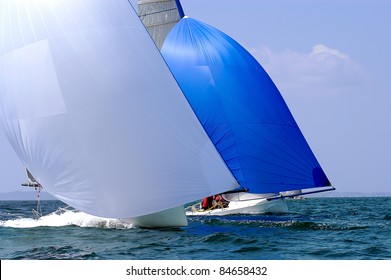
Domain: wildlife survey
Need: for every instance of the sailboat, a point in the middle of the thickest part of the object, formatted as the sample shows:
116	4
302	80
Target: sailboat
246	117
94	113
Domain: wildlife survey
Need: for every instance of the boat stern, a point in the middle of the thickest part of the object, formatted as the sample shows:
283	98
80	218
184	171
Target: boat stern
170	218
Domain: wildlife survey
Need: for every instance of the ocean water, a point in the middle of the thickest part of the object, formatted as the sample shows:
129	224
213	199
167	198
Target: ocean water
314	229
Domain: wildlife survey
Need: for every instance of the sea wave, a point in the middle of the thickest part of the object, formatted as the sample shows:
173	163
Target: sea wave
66	217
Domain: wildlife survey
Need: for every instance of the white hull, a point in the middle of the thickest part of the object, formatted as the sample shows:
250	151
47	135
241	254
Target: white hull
244	204
174	217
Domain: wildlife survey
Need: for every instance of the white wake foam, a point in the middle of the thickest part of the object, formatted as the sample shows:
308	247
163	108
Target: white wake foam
66	217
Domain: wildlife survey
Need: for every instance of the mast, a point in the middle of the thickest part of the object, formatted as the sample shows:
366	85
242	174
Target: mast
159	17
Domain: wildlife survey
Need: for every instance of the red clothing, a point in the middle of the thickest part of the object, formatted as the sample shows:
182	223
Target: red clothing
206	203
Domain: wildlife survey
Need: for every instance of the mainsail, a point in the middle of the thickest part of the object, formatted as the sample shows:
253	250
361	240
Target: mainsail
159	17
92	110
241	109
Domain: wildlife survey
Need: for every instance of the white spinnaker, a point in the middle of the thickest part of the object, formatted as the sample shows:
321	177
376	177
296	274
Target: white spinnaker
92	111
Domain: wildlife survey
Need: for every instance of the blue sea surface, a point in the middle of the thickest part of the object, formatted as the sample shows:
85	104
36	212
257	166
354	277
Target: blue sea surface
314	229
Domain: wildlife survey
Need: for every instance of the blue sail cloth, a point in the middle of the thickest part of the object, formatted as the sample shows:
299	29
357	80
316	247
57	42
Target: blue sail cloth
241	110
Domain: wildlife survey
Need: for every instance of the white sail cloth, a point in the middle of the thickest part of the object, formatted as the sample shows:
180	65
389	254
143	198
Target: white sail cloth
92	111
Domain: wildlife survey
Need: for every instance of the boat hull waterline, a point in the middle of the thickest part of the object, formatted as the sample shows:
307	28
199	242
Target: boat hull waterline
173	217
248	206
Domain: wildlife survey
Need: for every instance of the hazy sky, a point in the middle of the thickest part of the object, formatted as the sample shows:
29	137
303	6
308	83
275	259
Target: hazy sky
330	59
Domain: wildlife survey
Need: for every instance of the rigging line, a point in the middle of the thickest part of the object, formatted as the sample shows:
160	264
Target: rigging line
180	9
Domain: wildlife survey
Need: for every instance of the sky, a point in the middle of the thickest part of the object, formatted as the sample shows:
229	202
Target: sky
330	60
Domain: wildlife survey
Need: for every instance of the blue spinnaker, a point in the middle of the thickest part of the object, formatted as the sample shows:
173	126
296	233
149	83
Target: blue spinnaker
241	109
